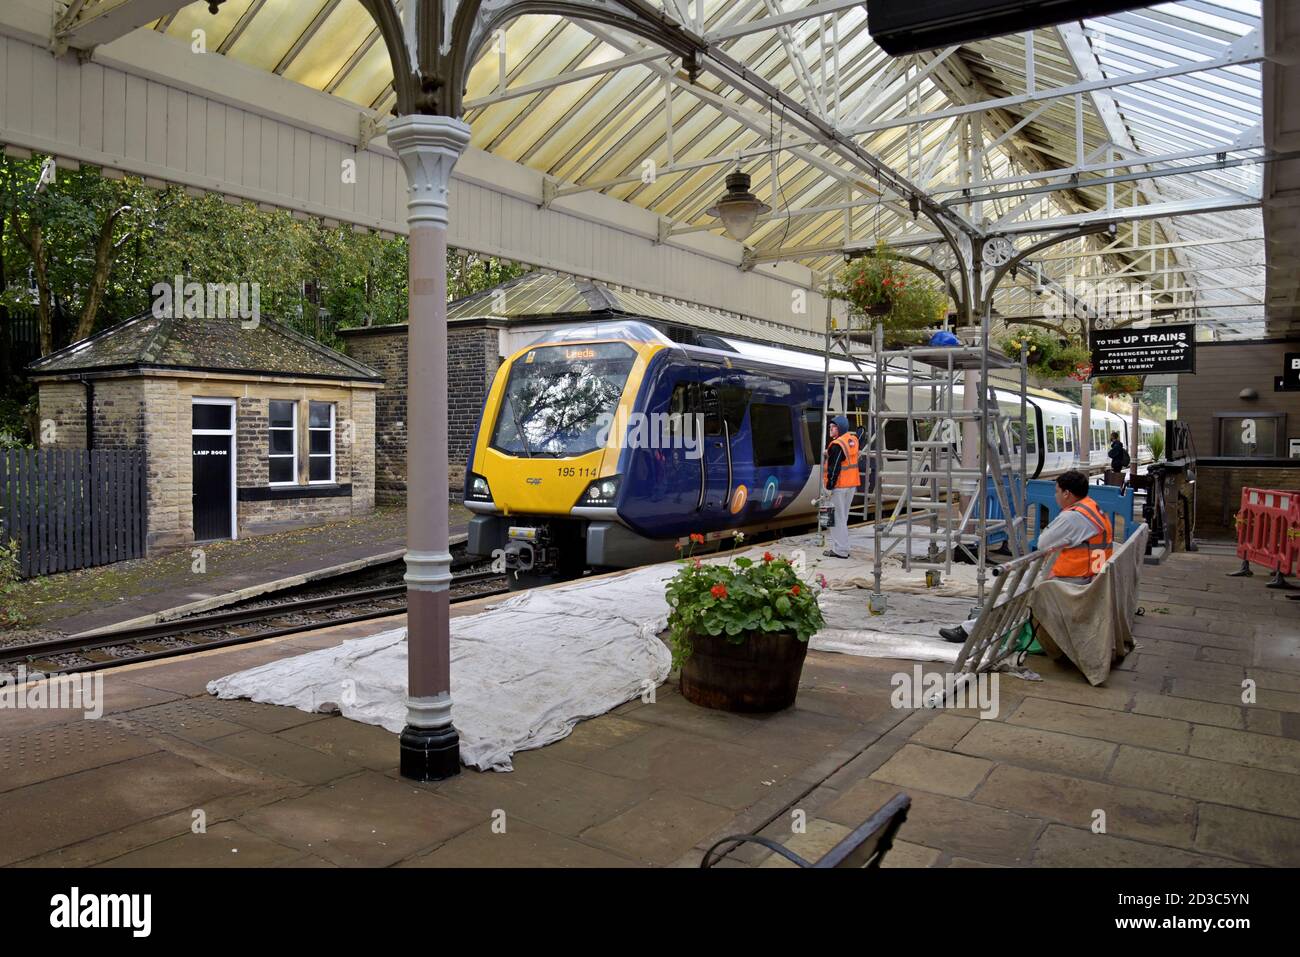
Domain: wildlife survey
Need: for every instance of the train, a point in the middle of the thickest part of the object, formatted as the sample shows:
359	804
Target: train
607	444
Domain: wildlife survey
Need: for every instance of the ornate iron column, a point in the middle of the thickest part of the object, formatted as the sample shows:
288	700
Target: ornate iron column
428	147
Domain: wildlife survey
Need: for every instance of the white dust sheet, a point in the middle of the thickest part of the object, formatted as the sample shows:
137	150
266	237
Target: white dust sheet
575	651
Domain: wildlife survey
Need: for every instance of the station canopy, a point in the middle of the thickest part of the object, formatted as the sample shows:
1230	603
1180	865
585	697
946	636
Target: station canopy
1152	119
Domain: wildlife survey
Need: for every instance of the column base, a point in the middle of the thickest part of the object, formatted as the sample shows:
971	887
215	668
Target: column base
429	754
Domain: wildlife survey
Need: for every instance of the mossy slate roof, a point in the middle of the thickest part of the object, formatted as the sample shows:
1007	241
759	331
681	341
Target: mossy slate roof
210	345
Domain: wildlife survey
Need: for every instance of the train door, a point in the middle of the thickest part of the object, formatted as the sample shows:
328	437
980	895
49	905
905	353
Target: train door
716	462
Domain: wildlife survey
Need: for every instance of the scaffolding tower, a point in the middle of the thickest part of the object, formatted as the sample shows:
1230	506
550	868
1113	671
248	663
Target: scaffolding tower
955	507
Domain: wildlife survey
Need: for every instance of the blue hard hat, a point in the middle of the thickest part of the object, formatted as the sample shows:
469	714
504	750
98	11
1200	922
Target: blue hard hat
944	338
841	423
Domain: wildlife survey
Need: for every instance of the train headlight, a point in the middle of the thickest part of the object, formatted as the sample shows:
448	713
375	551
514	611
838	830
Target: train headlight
601	492
477	490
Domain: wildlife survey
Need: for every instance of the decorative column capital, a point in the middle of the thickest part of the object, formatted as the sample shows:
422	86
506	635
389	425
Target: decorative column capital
428	147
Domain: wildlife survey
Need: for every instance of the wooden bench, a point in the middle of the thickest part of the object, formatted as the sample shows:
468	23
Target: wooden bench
865	847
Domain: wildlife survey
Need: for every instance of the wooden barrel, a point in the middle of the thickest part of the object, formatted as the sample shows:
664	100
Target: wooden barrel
760	673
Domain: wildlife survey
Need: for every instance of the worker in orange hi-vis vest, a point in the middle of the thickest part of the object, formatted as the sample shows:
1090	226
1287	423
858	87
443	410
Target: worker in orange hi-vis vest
841	475
1082	526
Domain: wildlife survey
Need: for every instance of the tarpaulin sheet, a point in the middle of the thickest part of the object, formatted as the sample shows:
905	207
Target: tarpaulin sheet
526	670
1092	624
522	674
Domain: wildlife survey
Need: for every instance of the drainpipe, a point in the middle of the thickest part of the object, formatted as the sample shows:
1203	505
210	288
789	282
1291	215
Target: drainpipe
90	411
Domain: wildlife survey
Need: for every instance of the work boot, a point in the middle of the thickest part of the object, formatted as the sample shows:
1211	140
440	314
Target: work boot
831	553
956	634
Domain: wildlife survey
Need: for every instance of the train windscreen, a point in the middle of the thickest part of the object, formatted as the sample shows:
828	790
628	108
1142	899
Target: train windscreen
558	399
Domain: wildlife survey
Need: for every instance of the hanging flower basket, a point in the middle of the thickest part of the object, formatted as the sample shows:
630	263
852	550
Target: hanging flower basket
1117	385
882	290
1048	356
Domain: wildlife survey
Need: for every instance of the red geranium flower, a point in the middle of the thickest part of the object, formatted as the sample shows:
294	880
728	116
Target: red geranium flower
795	591
719	591
697	537
768	556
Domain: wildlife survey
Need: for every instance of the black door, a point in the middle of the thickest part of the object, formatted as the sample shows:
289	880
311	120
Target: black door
212	487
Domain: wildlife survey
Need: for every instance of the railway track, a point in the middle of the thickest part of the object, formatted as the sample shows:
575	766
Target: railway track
221	629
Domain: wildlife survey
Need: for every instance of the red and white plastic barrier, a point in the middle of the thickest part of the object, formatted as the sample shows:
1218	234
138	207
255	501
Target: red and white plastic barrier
1268	532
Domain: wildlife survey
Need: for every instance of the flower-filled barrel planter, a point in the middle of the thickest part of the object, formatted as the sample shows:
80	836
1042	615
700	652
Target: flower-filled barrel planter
740	630
756	671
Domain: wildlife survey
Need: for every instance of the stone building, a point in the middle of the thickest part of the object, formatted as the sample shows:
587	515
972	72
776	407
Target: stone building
246	427
473	354
485	328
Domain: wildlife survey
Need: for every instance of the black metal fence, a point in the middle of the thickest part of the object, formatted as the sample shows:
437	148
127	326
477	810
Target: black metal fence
72	508
20	339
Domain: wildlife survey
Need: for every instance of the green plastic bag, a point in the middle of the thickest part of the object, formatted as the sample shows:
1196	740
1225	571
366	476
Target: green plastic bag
1023	640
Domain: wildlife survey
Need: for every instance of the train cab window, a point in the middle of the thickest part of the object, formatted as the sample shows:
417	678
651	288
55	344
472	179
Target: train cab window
773	434
559	398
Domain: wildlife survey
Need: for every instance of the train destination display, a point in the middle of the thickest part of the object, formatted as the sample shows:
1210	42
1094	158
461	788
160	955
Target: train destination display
1159	349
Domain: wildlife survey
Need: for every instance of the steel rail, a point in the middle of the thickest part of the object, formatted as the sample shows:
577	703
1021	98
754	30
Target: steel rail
208	622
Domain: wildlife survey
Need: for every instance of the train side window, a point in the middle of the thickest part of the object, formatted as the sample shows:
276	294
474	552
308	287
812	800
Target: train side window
816	437
773	434
896	434
734	401
679	403
1013	429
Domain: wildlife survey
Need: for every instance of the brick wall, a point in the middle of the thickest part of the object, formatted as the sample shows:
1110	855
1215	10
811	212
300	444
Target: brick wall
383	348
1218	494
63	415
472	361
166	422
353	457
154	413
1223	370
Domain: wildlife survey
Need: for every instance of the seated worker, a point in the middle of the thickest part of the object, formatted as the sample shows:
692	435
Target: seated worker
1081	525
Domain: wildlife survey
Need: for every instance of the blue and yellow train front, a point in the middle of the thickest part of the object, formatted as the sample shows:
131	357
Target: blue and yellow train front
543	474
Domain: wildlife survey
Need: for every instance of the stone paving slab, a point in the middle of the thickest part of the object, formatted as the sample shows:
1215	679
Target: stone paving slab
1186	772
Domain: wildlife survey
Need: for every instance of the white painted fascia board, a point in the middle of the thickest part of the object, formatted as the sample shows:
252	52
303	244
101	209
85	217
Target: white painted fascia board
167	60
